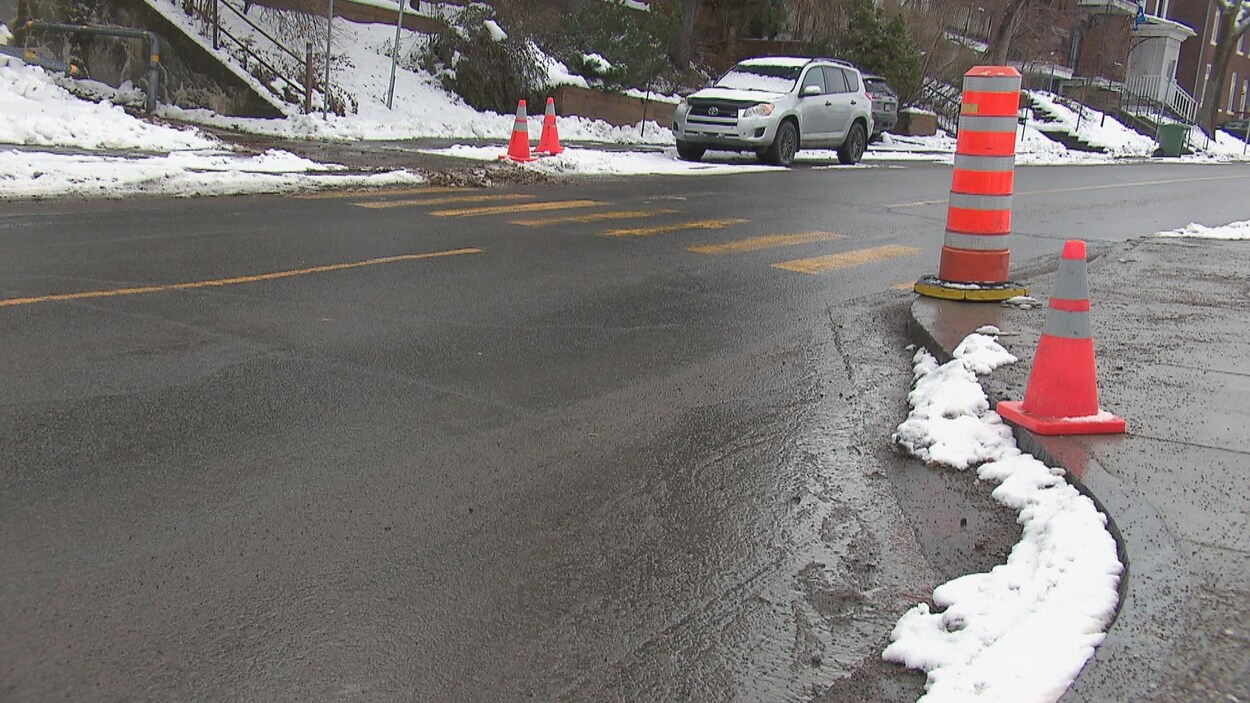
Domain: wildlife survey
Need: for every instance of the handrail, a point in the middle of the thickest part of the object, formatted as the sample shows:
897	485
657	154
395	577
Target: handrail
154	47
302	88
243	16
1161	94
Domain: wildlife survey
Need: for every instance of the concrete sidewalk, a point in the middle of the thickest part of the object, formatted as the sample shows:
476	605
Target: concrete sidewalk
1172	333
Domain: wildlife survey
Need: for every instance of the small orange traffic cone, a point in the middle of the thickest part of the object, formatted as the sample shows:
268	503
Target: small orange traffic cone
1062	395
519	145
549	142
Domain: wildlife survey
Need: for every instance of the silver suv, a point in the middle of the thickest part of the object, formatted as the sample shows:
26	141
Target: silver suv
775	105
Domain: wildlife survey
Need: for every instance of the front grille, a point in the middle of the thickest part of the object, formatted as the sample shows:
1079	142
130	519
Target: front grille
713	112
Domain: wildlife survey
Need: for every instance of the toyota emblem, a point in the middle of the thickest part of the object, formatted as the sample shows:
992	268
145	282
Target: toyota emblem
713	111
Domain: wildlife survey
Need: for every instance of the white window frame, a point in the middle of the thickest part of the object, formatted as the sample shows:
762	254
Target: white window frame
1206	78
1232	91
1245	89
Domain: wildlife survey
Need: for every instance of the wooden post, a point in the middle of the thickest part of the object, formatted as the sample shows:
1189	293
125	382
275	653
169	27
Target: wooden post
309	77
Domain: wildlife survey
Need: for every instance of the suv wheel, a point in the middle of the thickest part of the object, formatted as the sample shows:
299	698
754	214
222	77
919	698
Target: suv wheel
689	152
785	145
852	150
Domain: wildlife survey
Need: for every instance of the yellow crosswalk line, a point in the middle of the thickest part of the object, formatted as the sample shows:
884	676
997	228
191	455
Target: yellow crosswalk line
523	207
377	192
591	217
859	257
765	242
449	200
677	227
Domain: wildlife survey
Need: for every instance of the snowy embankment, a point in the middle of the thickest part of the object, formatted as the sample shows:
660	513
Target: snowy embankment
138	156
1023	631
1232	230
421	108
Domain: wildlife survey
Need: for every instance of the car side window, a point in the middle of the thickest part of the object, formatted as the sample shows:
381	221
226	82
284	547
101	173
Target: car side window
835	78
852	81
816	78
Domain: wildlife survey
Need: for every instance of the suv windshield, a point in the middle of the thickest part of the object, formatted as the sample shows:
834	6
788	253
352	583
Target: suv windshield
771	79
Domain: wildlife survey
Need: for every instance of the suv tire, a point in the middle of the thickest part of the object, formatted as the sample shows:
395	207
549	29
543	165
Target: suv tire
852	149
689	152
785	145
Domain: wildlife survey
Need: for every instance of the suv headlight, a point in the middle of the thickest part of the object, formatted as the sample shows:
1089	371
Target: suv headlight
761	110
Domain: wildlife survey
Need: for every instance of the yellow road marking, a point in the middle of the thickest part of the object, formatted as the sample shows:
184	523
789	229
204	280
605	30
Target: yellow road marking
1077	189
449	200
378	192
526	207
592	217
219	282
662	229
766	242
831	262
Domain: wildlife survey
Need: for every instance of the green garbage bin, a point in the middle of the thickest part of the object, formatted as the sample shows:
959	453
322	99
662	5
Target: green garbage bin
1172	138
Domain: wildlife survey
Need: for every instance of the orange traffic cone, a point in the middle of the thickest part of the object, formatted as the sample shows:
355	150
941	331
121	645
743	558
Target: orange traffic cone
1062	394
549	142
519	145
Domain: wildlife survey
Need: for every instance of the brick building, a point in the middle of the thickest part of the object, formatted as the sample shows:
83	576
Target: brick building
1194	70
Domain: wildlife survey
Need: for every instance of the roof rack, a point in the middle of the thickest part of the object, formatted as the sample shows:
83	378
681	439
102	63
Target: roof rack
840	62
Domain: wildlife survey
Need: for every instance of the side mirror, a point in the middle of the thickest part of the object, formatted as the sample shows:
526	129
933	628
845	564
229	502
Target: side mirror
711	83
809	90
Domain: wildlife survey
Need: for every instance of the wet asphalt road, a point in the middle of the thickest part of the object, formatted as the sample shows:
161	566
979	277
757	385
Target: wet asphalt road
544	464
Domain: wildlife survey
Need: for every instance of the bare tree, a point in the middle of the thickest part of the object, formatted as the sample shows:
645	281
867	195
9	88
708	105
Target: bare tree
1000	43
1232	21
683	49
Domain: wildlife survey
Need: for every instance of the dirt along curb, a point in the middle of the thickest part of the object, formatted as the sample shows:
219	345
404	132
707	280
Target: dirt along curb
1158	587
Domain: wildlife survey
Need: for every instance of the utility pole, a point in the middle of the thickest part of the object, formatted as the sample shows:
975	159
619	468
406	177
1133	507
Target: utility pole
390	92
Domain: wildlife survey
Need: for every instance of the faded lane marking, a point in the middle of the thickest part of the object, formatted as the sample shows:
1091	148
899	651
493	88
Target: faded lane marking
378	193
1078	189
765	242
450	200
592	217
833	262
525	207
237	280
678	227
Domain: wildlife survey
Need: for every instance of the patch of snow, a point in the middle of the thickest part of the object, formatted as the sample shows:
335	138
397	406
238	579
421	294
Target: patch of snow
592	162
557	72
1093	127
496	32
597	62
25	174
35	111
1023	631
1233	230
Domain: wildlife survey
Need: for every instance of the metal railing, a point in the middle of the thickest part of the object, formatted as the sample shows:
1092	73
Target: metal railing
1158	95
303	84
943	100
154	47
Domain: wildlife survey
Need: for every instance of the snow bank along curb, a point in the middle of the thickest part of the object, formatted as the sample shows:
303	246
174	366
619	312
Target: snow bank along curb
1024	630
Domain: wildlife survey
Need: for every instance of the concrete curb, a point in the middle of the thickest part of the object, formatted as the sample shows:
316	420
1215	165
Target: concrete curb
1155	585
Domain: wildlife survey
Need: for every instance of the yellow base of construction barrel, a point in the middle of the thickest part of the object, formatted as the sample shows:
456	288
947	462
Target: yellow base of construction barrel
934	287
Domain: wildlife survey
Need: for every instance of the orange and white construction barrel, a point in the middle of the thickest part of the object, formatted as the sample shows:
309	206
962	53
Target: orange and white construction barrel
976	253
